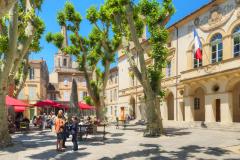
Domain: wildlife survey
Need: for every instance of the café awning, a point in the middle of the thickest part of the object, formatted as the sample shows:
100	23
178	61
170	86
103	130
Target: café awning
84	106
18	105
51	103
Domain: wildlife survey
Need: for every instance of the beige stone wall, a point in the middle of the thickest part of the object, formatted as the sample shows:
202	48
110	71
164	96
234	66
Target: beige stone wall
217	82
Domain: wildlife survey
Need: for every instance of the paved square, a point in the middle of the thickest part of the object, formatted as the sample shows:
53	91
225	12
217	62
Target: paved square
130	144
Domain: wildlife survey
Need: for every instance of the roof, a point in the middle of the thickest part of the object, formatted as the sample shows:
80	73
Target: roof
37	61
193	14
114	69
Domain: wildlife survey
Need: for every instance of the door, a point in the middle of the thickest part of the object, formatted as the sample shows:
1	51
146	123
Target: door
218	110
122	114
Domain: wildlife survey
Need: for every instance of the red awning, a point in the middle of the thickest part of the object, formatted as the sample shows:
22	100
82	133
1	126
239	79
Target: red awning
18	105
14	102
84	106
19	109
50	103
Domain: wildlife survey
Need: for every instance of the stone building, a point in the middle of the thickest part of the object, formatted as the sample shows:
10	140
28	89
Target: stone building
35	88
111	95
65	69
207	90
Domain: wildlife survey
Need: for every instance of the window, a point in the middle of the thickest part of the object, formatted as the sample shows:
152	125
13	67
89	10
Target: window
53	96
236	41
168	69
21	95
115	94
65	62
217	48
65	82
31	73
65	96
111	97
32	93
196	103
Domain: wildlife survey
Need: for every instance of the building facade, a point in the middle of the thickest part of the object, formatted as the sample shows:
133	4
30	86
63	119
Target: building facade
61	79
111	95
35	88
65	70
207	90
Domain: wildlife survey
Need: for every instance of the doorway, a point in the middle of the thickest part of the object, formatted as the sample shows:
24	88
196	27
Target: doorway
170	106
218	110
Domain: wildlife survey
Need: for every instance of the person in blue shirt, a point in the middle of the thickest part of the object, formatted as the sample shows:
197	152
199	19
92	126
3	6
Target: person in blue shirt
74	132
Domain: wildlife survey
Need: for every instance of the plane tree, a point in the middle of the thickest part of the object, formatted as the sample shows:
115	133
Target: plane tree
94	53
20	32
132	18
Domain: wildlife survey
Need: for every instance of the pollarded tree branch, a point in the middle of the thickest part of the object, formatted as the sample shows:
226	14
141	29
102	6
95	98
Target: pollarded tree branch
5	6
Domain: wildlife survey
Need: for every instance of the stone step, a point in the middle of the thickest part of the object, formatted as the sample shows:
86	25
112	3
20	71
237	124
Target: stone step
212	125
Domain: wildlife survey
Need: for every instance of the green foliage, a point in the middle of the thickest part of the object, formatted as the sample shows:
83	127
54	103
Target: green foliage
61	18
92	14
3	44
88	100
56	39
39	30
154	16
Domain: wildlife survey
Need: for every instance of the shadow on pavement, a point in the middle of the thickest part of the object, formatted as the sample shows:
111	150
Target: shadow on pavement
53	154
153	151
171	132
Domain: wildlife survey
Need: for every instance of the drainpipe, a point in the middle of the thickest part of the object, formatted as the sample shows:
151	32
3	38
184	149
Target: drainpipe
176	74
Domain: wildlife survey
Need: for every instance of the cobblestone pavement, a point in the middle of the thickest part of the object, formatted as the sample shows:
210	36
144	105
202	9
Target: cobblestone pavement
130	144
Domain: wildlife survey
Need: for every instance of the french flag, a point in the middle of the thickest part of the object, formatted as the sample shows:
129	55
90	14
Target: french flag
198	46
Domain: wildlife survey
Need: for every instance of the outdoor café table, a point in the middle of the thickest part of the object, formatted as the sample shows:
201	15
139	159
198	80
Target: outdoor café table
83	130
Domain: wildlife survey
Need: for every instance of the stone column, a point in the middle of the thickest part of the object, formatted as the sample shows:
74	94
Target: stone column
209	109
181	110
226	107
163	109
189	104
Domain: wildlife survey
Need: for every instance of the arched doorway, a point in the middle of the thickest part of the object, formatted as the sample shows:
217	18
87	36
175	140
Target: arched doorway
132	108
199	105
236	102
170	106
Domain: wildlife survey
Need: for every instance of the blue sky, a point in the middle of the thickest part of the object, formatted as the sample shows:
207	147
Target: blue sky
50	8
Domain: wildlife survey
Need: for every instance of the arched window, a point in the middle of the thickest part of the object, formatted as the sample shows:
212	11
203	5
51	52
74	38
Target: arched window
196	62
236	41
217	48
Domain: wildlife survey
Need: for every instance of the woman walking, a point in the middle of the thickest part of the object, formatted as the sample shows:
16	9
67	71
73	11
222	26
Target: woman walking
59	128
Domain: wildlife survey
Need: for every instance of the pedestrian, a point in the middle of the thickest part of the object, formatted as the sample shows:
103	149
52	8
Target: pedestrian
44	121
74	132
117	123
65	131
59	127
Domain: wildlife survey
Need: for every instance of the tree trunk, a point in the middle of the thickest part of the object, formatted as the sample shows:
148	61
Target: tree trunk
154	125
5	139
